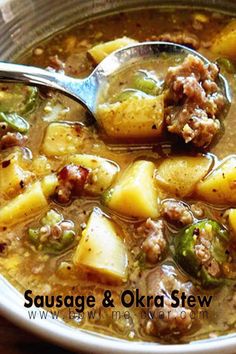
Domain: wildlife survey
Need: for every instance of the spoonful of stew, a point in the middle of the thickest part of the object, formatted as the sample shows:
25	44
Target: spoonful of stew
191	96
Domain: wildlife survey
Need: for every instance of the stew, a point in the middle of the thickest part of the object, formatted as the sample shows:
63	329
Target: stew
143	199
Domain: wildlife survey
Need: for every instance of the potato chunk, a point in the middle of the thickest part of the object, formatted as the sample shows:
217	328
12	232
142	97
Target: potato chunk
100	51
225	41
179	175
31	201
101	250
61	139
13	175
28	203
220	186
135	194
40	166
232	221
102	171
49	184
133	118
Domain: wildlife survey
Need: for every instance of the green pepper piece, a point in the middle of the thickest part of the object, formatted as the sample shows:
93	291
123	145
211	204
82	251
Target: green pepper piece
141	258
52	248
31	100
226	65
208	281
68	237
145	83
34	236
15	122
129	93
43	238
52	218
56	247
185	250
17	98
218	250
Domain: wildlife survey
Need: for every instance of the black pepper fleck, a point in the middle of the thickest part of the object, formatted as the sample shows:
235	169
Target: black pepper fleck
22	184
6	163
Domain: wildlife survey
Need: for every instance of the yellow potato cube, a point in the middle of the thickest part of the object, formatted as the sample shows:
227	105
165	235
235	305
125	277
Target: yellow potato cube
61	139
135	193
102	171
24	205
49	184
232	220
40	166
101	249
225	41
179	175
13	177
220	186
133	118
33	200
101	51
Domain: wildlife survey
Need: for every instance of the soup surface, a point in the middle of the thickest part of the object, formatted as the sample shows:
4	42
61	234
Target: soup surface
141	202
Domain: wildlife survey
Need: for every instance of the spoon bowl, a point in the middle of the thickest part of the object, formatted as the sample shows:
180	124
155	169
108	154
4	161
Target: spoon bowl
86	91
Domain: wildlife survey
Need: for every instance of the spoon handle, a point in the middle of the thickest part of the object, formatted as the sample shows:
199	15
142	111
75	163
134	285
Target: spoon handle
80	90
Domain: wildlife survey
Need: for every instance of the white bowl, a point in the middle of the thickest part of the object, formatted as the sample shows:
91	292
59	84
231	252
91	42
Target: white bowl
23	23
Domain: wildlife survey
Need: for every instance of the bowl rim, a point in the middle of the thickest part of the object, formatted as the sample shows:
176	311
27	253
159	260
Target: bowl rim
78	339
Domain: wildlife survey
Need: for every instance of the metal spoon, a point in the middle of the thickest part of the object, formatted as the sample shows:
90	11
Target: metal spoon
85	91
